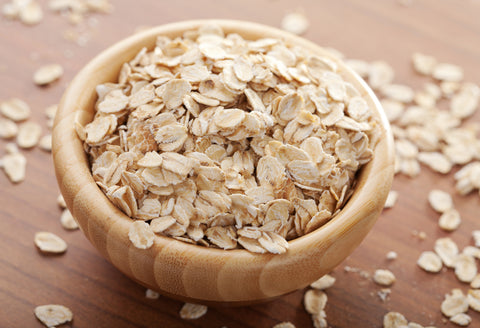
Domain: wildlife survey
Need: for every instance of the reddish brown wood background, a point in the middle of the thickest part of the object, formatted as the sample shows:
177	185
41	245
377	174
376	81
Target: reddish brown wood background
102	297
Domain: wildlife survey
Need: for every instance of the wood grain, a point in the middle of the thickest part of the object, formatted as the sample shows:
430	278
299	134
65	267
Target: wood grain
101	296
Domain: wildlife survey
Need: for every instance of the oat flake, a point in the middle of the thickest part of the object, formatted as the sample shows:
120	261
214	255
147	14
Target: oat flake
47	74
52	315
50	243
192	311
141	235
295	23
430	262
440	200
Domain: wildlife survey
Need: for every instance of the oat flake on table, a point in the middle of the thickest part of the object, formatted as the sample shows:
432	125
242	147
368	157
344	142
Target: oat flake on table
48	242
190	311
52	315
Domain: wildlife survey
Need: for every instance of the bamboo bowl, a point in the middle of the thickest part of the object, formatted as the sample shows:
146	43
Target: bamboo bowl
196	273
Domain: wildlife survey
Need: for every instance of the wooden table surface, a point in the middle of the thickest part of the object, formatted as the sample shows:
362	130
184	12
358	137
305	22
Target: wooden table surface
100	296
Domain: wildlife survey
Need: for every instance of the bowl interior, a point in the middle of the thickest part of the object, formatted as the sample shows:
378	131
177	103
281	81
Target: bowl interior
197	273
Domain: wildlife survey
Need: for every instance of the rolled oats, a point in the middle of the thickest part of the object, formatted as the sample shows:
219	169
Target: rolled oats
217	146
295	23
392	255
436	161
461	319
473	298
14	165
284	325
424	64
398	92
151	294
52	315
447	250
28	134
48	242
8	128
447	72
454	303
314	301
325	282
190	311
61	202
383	277
476	237
440	200
465	102
465	267
15	109
394	320
141	235
475	282
430	262
47	74
45	142
68	221
450	220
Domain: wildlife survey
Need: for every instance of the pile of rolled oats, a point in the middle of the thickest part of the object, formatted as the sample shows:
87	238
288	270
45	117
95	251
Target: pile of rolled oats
219	141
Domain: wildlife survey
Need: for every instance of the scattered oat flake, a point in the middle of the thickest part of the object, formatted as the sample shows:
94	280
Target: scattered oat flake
67	220
423	64
314	301
473	298
465	102
447	250
45	142
8	128
476	237
151	294
295	23
391	199
475	284
52	315
192	311
461	319
141	235
430	262
436	161
61	201
398	92
465	267
454	303
31	13
392	255
440	200
47	74
380	74
394	320
447	72
472	251
450	220
324	282
383	277
15	109
28	134
14	165
48	242
284	325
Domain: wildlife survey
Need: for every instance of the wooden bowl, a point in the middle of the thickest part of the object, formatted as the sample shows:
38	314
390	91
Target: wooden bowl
196	273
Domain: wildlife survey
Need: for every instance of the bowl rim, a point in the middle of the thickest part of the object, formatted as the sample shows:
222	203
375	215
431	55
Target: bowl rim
374	190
